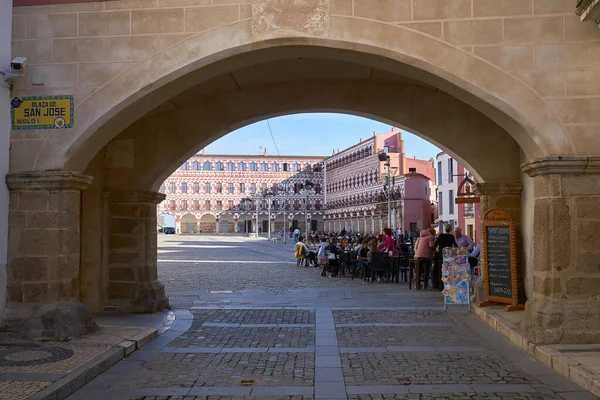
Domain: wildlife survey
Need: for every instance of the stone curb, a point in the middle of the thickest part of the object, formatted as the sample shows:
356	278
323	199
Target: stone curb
75	380
552	358
80	376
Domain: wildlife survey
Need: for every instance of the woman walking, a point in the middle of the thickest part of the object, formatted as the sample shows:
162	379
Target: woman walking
424	251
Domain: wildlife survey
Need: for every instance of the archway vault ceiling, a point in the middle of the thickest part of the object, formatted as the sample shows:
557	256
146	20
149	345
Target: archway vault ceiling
286	70
206	110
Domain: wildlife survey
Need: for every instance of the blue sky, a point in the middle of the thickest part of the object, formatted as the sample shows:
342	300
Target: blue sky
312	134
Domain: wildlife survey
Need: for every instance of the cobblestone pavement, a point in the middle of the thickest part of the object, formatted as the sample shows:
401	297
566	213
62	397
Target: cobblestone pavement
254	316
250	324
246	337
10	390
223	398
227	267
404	336
392	368
458	396
226	369
32	368
390	316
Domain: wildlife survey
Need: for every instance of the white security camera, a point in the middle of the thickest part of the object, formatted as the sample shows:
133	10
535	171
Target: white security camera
17	66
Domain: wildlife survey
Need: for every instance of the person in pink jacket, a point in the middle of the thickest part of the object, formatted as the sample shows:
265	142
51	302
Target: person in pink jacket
388	244
425	248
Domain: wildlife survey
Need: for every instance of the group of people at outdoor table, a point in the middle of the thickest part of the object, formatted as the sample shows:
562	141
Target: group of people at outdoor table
326	250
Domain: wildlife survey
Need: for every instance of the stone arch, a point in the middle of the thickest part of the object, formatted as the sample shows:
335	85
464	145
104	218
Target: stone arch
188	223
208	216
208	222
510	102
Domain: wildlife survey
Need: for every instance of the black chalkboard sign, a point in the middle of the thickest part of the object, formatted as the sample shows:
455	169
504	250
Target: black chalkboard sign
498	261
499	257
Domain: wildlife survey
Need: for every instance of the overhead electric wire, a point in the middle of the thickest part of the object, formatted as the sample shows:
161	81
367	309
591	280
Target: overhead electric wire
273	137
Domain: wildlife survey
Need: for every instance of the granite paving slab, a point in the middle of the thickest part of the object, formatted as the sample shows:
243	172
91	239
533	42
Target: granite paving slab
223	370
390	316
264	316
393	368
404	336
246	337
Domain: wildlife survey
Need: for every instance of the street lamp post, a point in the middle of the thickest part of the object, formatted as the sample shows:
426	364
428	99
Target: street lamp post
269	211
285	188
306	215
267	194
386	158
307	184
257	204
247	206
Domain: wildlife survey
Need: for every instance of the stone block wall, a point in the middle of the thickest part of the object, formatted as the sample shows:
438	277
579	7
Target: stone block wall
132	242
565	305
5	28
81	47
569	208
44	237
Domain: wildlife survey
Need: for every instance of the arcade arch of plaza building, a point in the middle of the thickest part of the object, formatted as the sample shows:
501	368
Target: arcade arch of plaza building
443	71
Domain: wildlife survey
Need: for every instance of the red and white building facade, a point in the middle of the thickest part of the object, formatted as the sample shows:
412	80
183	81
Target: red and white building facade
228	193
356	196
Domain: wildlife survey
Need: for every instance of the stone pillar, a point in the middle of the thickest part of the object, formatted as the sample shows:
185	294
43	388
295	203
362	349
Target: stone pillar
44	240
133	285
505	195
217	225
372	223
237	227
380	227
565	307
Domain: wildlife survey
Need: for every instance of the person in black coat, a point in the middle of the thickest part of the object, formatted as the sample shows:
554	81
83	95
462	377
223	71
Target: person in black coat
441	242
445	240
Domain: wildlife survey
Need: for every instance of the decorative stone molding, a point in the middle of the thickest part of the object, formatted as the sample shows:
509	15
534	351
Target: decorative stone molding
135	197
568	165
48	180
275	18
588	10
499	188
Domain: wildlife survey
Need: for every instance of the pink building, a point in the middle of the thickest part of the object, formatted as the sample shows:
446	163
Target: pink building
232	193
357	194
418	211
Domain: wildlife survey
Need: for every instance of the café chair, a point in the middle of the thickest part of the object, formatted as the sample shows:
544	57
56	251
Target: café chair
380	263
414	268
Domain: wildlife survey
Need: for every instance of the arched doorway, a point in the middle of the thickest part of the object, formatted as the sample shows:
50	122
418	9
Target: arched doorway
483	116
189	224
227	223
208	223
